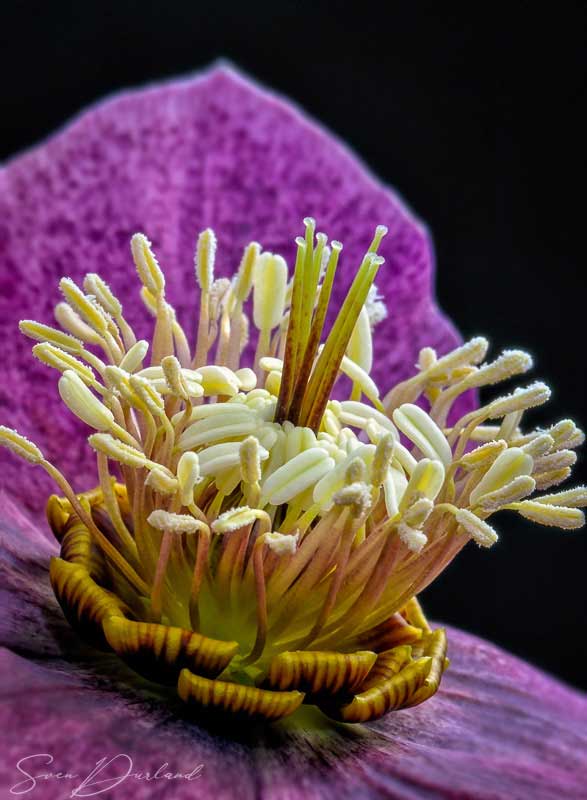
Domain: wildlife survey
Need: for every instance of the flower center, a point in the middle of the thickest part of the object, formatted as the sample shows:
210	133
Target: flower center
263	530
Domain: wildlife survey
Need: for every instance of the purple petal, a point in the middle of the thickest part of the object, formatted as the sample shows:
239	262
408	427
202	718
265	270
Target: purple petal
497	729
211	151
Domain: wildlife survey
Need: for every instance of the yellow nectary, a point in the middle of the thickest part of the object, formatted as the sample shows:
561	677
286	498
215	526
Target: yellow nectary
254	539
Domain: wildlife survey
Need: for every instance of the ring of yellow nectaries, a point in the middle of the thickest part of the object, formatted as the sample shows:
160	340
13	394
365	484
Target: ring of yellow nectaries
254	541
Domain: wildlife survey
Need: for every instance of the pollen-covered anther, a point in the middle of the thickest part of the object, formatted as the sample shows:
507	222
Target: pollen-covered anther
20	445
482	533
175	523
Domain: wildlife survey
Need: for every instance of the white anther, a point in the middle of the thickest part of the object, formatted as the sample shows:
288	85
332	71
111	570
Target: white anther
236	518
539	446
44	333
58	359
360	346
508	465
295	476
269	285
81	402
250	461
133	359
477	528
20	445
188	476
483	456
520	400
554	516
415	423
573	498
281	544
174	523
413	539
117	450
205	258
513	491
160	481
417	514
426	481
147	267
93	284
219	381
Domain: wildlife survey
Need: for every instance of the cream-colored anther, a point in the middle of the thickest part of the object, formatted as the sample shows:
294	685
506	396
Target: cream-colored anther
426	481
394	487
360	346
513	491
58	359
173	375
20	445
520	400
357	495
361	378
220	457
295	476
72	322
133	359
148	394
426	358
554	461
335	479
415	423
566	434
92	313
161	482
573	498
232	424
147	267
174	523
478	529
81	402
375	307
270	364
282	544
188	476
247	380
382	459
244	279
250	461
117	450
484	455
413	539
44	333
508	465
269	285
508	364
219	381
236	518
205	258
539	446
94	285
356	471
554	516
417	514
273	383
357	415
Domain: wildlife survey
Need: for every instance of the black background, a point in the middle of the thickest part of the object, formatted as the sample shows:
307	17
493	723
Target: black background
477	121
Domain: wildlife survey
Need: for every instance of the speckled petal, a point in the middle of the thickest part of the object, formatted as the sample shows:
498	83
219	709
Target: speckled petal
214	150
497	729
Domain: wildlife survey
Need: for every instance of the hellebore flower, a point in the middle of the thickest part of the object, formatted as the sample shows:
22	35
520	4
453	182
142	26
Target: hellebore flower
265	516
